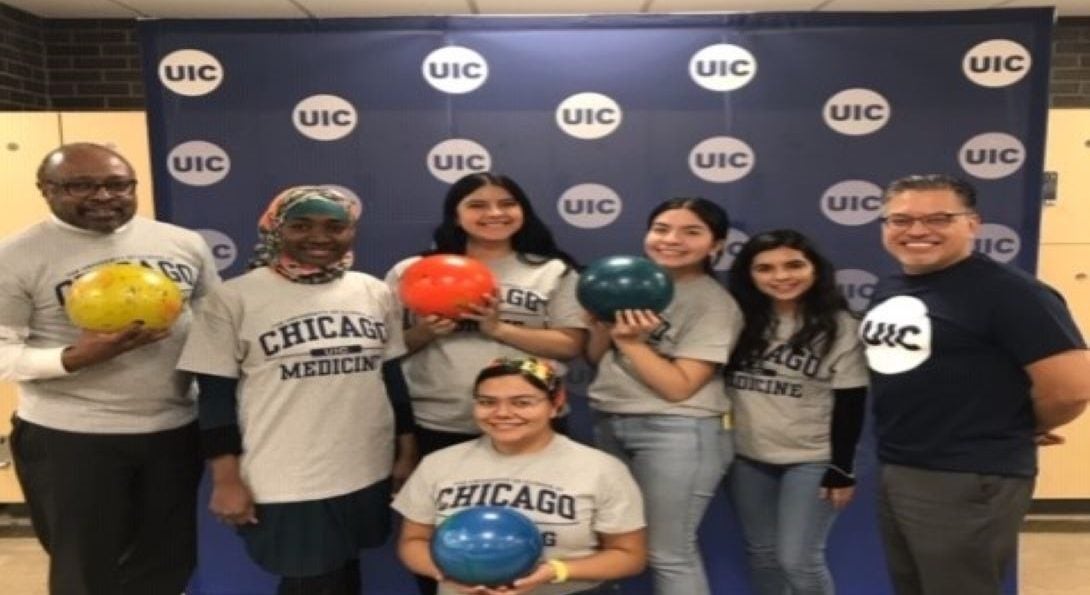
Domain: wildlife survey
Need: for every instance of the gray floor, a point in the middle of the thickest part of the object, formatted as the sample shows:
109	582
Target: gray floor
1055	560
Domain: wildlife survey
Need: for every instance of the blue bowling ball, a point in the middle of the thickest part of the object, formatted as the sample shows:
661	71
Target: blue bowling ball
486	545
623	283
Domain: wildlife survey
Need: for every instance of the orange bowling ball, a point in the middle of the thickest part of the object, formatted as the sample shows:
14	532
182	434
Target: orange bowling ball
113	296
445	285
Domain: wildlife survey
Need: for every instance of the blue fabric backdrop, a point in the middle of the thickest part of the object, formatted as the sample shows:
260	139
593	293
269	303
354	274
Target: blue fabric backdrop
785	119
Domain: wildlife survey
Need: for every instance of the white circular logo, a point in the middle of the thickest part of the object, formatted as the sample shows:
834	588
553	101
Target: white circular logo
454	158
455	69
198	163
857	286
324	117
190	72
996	63
991	155
736	238
222	246
589	205
721	159
998	242
588	115
852	202
897	335
856	112
722	67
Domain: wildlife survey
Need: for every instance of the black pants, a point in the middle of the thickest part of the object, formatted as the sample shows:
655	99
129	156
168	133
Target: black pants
343	581
115	512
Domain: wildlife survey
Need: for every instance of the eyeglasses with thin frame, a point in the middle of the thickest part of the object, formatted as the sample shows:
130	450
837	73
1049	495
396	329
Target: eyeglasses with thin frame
516	403
85	188
930	221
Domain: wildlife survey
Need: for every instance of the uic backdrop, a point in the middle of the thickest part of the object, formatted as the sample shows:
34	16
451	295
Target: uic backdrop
787	120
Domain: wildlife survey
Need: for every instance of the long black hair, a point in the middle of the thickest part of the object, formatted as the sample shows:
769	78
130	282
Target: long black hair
711	214
533	242
818	307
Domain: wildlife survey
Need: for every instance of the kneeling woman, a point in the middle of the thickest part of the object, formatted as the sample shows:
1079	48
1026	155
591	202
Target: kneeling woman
291	354
599	538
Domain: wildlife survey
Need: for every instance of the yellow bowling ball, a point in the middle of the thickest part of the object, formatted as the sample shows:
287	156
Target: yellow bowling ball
113	296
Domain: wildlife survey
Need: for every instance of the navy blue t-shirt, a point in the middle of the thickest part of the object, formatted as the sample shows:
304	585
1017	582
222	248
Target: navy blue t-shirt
947	353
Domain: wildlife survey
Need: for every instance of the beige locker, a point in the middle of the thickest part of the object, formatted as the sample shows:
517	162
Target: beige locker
24	139
1065	469
1067	151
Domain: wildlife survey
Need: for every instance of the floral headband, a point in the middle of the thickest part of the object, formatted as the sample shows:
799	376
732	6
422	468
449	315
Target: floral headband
543	371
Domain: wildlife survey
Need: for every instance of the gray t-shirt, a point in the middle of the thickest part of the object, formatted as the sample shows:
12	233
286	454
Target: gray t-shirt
312	406
136	392
783	404
570	491
440	375
702	323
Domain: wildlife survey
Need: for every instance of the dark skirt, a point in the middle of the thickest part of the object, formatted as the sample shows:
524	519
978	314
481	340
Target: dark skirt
318	536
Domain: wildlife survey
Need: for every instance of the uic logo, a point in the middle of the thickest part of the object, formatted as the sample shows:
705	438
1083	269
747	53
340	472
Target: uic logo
999	242
992	155
736	238
455	69
454	158
996	63
589	206
857	286
852	202
198	163
856	112
324	117
722	67
588	115
222	246
190	72
721	159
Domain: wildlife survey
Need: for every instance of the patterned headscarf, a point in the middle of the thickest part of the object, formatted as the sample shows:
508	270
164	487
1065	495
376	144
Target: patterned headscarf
268	252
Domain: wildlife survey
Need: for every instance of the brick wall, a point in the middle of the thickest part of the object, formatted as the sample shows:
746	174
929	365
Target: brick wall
93	64
1070	86
22	61
70	64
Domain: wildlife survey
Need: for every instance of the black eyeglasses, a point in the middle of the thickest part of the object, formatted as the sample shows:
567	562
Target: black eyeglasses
930	221
85	188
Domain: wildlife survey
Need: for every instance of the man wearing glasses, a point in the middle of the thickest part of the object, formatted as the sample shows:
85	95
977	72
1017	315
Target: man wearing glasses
973	363
105	439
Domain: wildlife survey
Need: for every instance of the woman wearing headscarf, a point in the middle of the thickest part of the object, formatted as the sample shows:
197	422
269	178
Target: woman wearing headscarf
296	422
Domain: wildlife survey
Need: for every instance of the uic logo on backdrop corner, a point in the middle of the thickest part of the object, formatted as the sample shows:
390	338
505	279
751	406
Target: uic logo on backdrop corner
736	238
852	202
992	155
324	117
190	72
857	286
198	163
998	242
996	63
455	69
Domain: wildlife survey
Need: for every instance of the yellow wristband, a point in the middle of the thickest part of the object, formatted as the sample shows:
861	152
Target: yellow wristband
560	568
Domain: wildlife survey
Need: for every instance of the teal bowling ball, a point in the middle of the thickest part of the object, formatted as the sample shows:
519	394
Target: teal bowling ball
623	283
486	545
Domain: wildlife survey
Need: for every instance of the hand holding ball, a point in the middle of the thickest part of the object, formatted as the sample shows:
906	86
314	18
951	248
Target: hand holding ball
445	285
114	296
486	545
623	283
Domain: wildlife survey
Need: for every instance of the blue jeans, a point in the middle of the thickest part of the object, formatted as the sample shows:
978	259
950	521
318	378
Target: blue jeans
678	462
785	524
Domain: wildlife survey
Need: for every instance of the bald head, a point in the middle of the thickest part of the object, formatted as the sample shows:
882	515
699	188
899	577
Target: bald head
89	186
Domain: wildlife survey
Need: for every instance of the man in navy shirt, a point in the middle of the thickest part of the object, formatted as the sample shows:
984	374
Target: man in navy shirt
973	363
